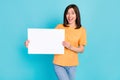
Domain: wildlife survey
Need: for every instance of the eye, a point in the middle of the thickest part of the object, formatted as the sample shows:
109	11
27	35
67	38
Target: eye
67	13
73	13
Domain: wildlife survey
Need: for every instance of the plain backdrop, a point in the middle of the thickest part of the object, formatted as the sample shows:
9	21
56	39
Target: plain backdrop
100	60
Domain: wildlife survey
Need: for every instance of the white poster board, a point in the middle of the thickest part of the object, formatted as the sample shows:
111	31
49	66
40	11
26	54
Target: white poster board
45	41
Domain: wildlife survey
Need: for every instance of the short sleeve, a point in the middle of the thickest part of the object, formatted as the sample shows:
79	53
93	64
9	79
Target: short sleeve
82	40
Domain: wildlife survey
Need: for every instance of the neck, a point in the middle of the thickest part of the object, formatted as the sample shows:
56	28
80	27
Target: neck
72	25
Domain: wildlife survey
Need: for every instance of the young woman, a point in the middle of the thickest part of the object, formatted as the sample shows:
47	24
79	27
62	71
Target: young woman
75	40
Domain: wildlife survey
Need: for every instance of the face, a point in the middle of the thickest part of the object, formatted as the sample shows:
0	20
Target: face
71	16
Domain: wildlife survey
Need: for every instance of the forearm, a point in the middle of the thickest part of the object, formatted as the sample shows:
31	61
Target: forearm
77	49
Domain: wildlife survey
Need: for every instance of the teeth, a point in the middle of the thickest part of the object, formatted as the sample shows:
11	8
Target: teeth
70	19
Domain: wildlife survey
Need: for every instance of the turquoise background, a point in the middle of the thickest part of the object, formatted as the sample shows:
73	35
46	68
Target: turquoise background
101	18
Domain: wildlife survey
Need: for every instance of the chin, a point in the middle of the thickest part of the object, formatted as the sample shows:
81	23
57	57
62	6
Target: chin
70	22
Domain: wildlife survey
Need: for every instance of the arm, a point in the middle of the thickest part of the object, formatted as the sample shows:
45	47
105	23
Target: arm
76	49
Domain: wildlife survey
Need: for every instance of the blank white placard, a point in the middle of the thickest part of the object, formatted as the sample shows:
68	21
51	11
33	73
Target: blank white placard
45	41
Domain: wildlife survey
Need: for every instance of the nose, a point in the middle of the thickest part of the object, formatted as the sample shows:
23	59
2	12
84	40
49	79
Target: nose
69	15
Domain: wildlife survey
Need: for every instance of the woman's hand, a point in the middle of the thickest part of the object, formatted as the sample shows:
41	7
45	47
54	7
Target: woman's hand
26	43
66	44
76	49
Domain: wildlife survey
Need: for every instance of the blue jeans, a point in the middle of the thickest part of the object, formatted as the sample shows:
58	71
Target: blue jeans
65	72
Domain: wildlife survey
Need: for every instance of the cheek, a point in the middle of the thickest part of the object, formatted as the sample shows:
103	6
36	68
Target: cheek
74	16
67	16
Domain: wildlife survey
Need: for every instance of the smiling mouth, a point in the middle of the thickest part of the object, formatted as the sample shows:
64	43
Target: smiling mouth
70	19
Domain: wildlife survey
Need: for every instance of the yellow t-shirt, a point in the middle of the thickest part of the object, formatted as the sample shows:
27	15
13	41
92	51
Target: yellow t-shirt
75	37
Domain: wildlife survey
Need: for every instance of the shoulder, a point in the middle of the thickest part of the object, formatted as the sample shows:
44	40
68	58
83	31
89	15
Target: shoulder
83	28
59	26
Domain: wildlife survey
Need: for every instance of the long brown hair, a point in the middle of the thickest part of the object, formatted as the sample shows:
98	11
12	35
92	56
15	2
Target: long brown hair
78	19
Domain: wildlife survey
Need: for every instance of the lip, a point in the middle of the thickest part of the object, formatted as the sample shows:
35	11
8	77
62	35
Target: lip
70	19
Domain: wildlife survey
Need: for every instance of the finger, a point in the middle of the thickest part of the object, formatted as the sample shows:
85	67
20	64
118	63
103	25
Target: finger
63	42
28	41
